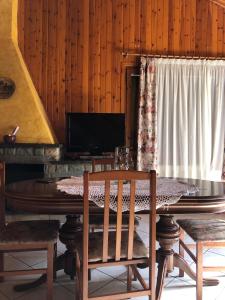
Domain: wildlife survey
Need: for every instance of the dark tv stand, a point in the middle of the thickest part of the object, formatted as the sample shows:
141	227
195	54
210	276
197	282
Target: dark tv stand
86	155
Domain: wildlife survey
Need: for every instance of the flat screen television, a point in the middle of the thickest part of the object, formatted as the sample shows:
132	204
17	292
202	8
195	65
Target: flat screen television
95	133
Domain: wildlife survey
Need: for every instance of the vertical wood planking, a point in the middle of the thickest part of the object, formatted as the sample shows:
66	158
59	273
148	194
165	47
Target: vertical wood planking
61	62
117	6
192	26
177	27
73	48
147	26
108	74
103	32
159	17
204	29
80	54
45	53
75	78
220	29
131	32
165	29
85	61
97	56
21	19
154	26
214	30
68	60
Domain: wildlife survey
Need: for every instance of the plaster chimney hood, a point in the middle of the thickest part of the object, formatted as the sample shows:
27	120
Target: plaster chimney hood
24	107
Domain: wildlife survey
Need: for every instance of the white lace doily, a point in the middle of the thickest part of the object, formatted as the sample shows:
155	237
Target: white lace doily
169	191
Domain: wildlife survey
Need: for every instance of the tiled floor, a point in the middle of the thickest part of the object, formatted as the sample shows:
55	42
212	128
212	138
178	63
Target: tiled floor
109	279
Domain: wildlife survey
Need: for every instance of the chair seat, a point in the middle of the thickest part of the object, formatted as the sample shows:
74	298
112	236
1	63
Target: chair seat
97	220
30	232
96	240
204	230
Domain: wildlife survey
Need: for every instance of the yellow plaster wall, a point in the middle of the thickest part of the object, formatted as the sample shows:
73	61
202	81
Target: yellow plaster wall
24	107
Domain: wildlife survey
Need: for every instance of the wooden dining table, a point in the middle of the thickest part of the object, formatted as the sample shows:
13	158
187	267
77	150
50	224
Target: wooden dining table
42	197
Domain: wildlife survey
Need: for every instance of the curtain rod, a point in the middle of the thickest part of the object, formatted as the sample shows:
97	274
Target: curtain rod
125	54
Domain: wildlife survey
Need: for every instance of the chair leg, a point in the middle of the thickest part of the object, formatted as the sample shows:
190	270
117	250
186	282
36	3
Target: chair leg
78	284
181	251
1	265
50	272
199	270
129	277
54	262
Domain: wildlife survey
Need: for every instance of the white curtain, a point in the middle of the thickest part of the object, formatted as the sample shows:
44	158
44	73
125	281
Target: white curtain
191	117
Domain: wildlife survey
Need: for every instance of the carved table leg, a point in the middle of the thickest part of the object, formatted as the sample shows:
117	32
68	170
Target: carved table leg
65	261
167	234
67	236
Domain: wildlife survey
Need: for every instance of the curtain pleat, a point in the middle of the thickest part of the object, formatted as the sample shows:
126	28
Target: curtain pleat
190	98
147	118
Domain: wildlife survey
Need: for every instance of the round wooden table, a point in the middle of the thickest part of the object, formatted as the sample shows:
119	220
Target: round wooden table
41	197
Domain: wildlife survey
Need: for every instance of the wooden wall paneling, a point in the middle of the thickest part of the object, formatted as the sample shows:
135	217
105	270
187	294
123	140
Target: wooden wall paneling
185	28
68	58
154	26
223	32
159	17
209	29
21	19
147	34
103	33
80	54
73	48
205	25
85	49
117	54
30	33
192	26
97	53
75	78
108	73
137	25
38	45
142	26
35	32
60	105
126	29
177	27
44	57
165	29
170	26
214	11
220	29
198	28
91	74
52	59
131	42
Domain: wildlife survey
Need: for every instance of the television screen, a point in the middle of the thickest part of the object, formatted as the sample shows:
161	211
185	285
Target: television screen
95	133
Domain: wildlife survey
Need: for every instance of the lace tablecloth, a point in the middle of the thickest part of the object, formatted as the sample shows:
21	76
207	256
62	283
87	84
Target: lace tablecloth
169	191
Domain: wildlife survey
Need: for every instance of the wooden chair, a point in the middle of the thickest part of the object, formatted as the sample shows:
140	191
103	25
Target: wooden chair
96	221
106	163
113	248
27	236
206	233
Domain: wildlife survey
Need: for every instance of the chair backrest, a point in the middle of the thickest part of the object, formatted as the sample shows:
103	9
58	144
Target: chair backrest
2	190
106	163
121	178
